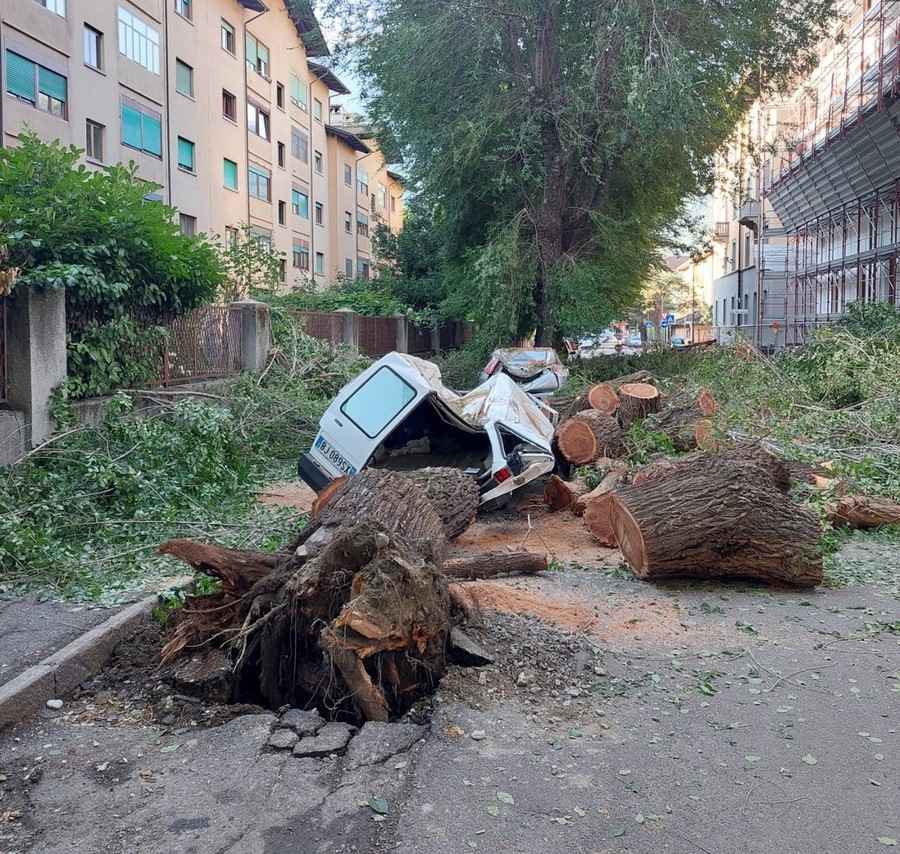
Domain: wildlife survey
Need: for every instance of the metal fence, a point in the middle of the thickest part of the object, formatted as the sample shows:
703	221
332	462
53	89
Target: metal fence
324	325
4	366
203	345
377	335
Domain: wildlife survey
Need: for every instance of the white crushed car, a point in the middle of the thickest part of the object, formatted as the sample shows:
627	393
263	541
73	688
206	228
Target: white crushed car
398	414
538	370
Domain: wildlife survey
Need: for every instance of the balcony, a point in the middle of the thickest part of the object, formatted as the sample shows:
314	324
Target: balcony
748	214
722	229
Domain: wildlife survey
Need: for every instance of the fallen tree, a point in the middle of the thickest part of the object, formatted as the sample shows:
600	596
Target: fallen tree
637	401
685	420
588	436
864	511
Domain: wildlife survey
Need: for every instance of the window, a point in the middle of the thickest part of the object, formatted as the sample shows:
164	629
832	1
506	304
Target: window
281	154
58	7
282	213
382	196
299	92
299	145
138	41
184	78
185	154
258	56
279	96
300	203
258	182
362	182
93	140
141	128
320	262
283	274
348	268
362	225
229	105
348	222
231	176
188	225
393	204
185	9
227	37
93	48
378	401
362	268
231	236
320	213
300	255
42	88
257	120
317	161
348	174
317	110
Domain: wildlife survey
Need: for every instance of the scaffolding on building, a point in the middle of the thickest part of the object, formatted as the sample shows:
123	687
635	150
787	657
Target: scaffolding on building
831	171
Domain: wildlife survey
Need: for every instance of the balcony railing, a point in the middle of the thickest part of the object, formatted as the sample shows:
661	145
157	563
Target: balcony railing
721	231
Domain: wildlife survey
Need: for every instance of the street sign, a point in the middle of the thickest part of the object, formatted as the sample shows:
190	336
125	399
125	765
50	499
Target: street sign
664	324
669	318
649	324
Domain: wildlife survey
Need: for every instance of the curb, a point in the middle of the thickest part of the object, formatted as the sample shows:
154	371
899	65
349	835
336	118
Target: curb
67	668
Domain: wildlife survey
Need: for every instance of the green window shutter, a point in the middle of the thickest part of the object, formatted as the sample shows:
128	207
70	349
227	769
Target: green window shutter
263	54
304	95
252	54
184	78
186	153
52	84
295	87
231	174
131	127
151	131
304	205
20	76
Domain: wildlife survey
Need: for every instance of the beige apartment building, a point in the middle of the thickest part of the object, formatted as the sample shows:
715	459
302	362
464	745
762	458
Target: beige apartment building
221	102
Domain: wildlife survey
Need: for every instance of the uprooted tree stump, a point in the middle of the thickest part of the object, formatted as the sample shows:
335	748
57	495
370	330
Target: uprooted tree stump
589	435
353	617
725	522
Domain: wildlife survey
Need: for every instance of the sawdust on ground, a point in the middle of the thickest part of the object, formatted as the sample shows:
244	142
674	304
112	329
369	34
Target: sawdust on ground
297	495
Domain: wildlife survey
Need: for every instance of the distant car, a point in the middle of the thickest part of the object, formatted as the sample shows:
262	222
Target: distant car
536	370
678	342
633	341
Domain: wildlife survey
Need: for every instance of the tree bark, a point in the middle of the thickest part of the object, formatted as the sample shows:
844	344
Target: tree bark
636	401
494	563
589	435
452	493
864	511
684	420
562	494
614	478
725	522
568	406
774	470
324	496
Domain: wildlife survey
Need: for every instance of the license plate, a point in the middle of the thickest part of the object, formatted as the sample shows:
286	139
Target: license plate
333	456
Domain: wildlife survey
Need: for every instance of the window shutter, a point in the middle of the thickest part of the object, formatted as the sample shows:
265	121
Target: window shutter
131	127
151	130
184	78
185	153
52	84
20	76
263	53
251	51
231	174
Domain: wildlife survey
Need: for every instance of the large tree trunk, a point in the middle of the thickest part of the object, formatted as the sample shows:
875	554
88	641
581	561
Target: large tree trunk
617	476
600	396
589	435
598	520
771	467
494	563
726	522
562	494
452	493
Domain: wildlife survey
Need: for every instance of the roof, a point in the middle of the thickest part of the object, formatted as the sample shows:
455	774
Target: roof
254	5
350	139
395	175
328	77
677	262
307	25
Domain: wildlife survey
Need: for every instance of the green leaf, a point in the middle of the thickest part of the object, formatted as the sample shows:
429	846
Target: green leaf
505	798
809	759
378	805
887	840
618	830
493	810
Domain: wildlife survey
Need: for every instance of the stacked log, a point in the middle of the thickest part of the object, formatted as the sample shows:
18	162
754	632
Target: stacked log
685	420
602	397
615	477
864	511
562	494
637	401
589	435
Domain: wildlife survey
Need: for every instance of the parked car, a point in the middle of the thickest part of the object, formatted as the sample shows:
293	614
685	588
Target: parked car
538	370
678	342
633	340
398	414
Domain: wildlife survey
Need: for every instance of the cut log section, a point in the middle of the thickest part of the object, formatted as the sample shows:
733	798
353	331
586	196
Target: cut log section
770	466
452	493
602	396
494	563
590	435
615	477
326	494
598	520
864	511
727	522
685	421
562	494
637	401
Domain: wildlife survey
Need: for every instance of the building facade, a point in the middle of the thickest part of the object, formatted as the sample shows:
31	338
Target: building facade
808	207
221	102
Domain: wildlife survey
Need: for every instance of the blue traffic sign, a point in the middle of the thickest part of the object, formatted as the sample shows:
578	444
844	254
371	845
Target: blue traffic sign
669	318
649	324
664	324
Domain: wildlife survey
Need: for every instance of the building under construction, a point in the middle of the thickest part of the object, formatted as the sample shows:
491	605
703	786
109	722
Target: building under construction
814	191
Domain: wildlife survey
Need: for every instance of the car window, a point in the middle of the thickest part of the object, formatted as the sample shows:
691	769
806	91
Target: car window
378	401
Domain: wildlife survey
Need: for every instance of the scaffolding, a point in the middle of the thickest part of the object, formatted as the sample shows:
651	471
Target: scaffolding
830	169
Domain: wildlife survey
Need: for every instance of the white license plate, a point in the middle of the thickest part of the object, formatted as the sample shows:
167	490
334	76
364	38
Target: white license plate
333	456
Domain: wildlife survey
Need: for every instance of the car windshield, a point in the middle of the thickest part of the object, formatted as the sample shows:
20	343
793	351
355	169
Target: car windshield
527	362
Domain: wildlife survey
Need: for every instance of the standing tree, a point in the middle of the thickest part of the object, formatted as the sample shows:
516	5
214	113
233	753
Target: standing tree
561	138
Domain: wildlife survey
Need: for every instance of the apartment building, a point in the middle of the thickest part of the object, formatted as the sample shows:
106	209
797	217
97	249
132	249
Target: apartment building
808	208
221	102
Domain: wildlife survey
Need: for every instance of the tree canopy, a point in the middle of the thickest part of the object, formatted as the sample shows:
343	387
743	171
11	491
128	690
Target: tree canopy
560	139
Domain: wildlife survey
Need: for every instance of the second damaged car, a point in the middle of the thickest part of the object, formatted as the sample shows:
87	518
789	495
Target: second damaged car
398	414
